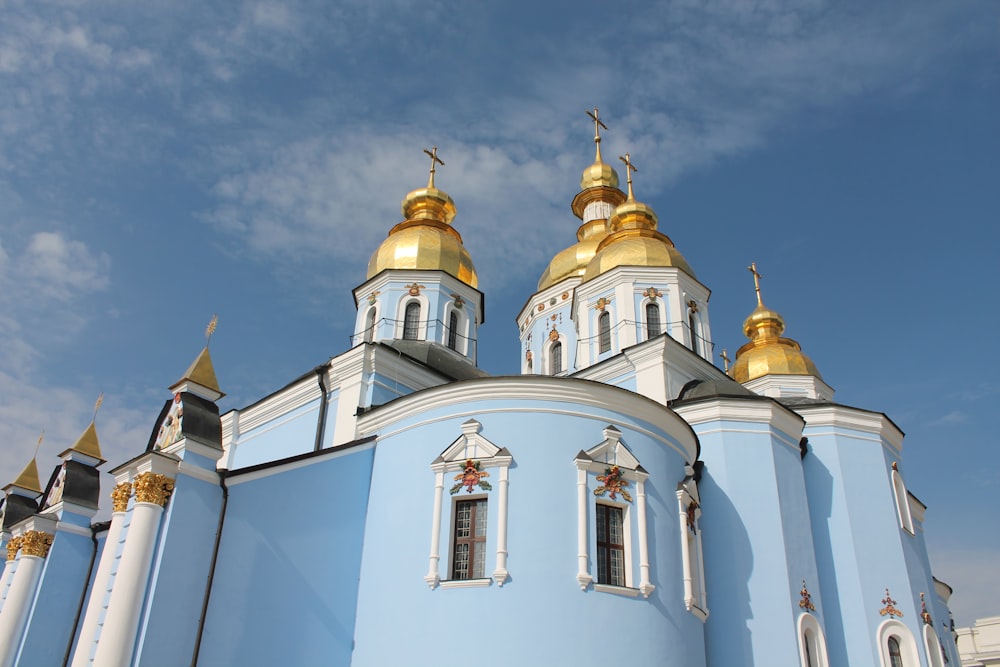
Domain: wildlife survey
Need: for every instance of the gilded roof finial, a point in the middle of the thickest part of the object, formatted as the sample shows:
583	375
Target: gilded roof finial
725	359
97	406
210	329
597	131
38	445
756	281
435	160
629	168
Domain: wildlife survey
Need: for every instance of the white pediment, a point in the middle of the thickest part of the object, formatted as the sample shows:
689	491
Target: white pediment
470	445
613	451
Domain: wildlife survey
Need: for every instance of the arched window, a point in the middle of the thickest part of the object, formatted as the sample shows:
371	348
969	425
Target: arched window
411	321
370	325
652	320
895	656
693	326
555	359
604	332
812	644
453	330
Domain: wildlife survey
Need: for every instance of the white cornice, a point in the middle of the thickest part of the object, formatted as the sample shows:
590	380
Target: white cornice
528	310
533	388
288	399
756	411
841	416
238	477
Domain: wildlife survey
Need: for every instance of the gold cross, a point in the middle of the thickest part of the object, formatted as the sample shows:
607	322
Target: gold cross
210	329
597	131
725	359
435	160
629	168
756	280
38	444
97	405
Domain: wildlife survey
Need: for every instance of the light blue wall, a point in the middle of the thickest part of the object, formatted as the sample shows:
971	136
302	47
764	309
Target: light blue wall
51	621
541	606
286	583
102	539
384	389
291	434
180	569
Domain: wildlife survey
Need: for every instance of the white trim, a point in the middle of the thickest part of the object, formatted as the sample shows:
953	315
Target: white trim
285	401
855	419
808	623
423	317
763	411
618	590
242	478
463	335
692	556
902	503
907	646
933	647
466	583
646	301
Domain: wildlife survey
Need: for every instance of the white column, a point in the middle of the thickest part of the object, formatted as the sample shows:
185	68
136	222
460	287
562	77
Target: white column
645	587
122	618
500	574
8	572
81	657
433	577
582	571
34	548
689	600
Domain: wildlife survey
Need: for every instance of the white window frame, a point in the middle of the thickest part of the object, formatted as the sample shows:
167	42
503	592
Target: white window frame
602	316
424	303
470	445
563	355
907	645
807	625
692	556
661	307
590	464
369	323
902	502
462	329
933	647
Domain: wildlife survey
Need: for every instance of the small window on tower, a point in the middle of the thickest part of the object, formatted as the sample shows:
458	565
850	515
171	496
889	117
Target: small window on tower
610	545
604	332
555	359
652	320
453	330
370	325
411	321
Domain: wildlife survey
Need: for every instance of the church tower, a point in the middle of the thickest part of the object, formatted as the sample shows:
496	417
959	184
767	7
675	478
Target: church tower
421	291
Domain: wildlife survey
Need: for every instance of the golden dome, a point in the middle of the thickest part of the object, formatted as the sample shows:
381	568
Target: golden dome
768	353
425	239
635	241
599	174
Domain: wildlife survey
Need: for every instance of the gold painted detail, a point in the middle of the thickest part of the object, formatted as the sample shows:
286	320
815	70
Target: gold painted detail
36	543
895	466
459	301
13	547
373	297
202	372
602	303
725	360
806	601
553	334
889	609
120	496
652	293
925	615
153	488
414	289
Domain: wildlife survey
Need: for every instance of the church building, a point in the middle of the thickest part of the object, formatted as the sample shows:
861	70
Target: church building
621	501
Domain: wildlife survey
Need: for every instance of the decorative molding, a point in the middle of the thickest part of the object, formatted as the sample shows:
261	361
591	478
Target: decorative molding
120	496
619	590
771	413
35	543
855	419
284	401
889	609
153	488
465	583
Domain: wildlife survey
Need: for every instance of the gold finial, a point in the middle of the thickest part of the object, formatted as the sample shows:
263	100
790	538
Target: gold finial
629	168
97	405
435	160
38	445
597	131
725	359
756	281
210	329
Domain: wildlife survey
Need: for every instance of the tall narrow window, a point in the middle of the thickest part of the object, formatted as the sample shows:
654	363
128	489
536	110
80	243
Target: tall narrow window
555	359
895	656
370	325
469	555
692	325
652	320
810	646
604	332
610	546
411	321
453	330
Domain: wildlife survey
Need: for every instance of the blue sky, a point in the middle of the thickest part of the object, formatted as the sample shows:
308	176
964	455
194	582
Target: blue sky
164	161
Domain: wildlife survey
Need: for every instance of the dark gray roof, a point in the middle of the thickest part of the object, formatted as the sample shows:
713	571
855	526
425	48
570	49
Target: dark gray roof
439	357
722	388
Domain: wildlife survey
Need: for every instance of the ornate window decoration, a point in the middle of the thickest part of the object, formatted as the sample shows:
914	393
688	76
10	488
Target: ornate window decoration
902	501
619	501
470	460
897	648
692	557
812	642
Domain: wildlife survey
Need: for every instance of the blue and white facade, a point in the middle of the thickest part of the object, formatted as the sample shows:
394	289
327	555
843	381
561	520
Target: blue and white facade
622	500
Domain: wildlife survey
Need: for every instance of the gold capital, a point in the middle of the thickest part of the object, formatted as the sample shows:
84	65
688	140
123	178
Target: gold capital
435	160
120	496
13	547
36	543
153	488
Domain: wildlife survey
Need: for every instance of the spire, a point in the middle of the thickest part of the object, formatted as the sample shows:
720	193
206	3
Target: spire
28	479
201	372
425	239
599	181
768	353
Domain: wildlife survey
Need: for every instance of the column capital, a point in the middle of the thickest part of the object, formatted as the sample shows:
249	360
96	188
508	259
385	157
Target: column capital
13	546
151	487
36	543
120	496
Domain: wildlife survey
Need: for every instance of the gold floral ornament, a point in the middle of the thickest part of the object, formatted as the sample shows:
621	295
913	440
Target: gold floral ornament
889	609
35	543
459	301
553	334
414	288
652	293
373	297
13	547
602	302
613	482
153	488
806	601
120	496
472	476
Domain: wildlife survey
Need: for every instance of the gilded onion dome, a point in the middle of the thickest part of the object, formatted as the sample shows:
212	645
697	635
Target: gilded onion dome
598	186
768	353
425	239
634	239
